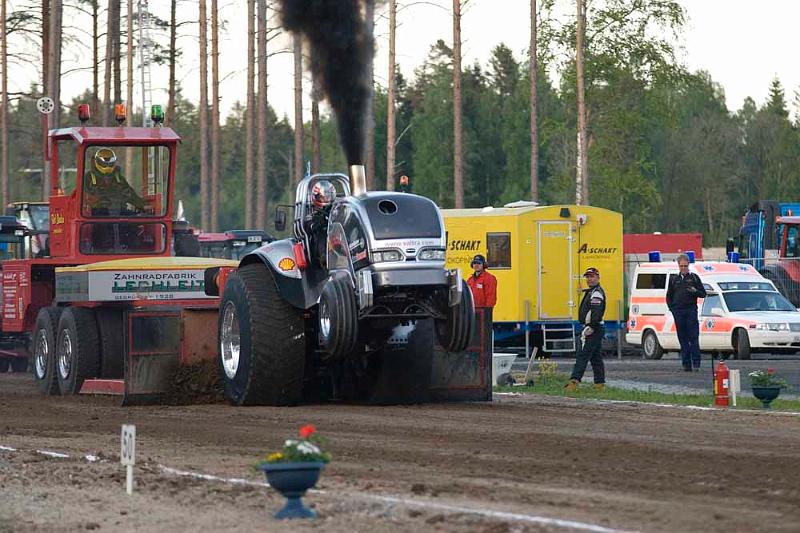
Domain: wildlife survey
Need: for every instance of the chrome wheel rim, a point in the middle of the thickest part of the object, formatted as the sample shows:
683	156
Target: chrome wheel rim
229	340
649	344
65	355
324	319
40	354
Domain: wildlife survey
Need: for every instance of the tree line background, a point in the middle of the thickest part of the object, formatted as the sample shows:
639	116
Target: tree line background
661	146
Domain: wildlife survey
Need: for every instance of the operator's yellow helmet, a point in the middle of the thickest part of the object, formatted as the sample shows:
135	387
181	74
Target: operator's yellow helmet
105	159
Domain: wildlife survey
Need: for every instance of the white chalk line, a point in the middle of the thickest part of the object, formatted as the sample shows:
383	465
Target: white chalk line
667	405
392	500
407	502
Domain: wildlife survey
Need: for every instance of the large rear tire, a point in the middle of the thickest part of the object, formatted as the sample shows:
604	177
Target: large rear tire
338	318
261	341
651	347
77	349
44	349
400	373
455	332
112	345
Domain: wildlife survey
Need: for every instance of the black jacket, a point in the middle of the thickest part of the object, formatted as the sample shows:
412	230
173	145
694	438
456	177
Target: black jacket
680	293
592	308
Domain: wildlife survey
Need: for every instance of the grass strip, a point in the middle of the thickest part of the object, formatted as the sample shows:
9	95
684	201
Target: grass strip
553	385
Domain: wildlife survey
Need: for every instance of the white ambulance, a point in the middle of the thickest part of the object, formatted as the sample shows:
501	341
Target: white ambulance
742	312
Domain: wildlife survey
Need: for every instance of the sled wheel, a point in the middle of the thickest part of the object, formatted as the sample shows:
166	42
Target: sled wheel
454	333
19	364
651	347
44	349
77	349
400	373
741	344
112	345
338	318
261	341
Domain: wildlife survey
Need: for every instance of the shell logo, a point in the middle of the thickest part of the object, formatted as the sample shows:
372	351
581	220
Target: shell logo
287	263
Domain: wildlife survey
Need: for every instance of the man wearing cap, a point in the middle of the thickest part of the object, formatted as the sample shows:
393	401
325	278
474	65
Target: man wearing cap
590	315
482	284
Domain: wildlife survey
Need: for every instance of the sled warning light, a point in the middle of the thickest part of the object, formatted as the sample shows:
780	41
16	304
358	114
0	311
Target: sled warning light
84	114
120	114
157	114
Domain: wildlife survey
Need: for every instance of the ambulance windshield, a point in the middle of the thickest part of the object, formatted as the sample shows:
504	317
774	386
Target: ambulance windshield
125	181
757	301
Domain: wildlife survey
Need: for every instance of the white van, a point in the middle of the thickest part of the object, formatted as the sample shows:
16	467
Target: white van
743	311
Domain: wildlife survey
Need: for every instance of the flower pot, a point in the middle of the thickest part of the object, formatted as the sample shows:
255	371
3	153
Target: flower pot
766	394
292	480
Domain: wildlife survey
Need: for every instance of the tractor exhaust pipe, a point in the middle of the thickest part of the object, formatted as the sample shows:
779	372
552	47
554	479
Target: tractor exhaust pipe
358	180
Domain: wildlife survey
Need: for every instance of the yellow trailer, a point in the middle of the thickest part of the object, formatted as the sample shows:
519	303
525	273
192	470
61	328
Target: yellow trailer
538	254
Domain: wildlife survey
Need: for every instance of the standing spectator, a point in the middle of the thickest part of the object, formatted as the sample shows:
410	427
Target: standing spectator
482	284
590	315
682	294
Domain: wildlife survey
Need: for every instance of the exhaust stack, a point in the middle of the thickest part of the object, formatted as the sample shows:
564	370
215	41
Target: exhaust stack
358	180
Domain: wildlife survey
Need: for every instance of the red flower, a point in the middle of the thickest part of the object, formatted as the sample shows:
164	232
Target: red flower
770	370
307	430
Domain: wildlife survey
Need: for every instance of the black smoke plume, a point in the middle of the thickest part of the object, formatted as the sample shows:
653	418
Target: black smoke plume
337	33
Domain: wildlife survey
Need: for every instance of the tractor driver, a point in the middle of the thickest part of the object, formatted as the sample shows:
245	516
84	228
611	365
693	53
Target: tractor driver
323	193
106	191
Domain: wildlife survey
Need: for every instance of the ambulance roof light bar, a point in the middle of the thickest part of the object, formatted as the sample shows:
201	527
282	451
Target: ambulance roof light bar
654	256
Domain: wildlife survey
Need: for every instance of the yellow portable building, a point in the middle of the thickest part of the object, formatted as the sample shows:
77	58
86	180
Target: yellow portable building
539	254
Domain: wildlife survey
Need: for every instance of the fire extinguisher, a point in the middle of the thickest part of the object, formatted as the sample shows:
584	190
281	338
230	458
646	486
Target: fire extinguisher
721	384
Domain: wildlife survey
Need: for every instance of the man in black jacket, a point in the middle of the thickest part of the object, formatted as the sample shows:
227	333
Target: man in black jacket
590	315
682	294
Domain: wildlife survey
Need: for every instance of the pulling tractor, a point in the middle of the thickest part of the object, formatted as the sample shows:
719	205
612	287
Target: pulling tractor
356	305
106	309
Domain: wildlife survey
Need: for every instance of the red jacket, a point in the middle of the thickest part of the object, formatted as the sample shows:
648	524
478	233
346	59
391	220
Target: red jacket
484	289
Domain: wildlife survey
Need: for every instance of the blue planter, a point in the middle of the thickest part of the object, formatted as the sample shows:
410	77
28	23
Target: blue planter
292	480
766	394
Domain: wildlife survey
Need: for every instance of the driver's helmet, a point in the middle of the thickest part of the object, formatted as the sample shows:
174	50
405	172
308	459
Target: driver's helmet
105	159
323	193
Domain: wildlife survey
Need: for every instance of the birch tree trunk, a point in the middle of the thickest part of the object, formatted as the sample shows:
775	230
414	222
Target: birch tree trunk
581	174
215	127
3	105
533	75
316	150
54	79
95	60
203	111
369	130
173	29
390	97
261	156
458	178
106	109
129	85
249	122
298	108
116	51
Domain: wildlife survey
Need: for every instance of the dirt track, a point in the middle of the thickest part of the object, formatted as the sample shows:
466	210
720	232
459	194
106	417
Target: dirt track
620	466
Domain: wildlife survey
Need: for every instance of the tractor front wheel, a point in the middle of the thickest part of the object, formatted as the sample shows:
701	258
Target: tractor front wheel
261	341
455	332
44	349
77	349
338	318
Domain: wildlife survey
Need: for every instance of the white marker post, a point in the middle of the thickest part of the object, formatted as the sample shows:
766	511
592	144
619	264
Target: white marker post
127	454
735	385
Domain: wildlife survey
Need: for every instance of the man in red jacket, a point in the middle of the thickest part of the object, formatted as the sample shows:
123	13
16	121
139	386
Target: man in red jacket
482	284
